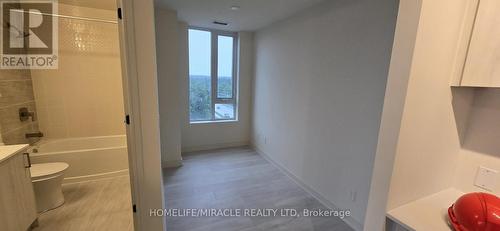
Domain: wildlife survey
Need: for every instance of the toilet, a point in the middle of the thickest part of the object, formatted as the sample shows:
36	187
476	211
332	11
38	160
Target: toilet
47	180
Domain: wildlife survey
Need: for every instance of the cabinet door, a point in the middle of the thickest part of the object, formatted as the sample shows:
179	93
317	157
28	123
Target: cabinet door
17	201
26	203
482	67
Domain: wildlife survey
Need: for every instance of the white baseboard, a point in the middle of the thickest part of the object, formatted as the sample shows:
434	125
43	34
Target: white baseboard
78	179
353	223
171	164
214	146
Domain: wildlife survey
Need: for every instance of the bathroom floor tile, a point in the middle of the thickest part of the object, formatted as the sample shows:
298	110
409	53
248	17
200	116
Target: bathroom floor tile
94	205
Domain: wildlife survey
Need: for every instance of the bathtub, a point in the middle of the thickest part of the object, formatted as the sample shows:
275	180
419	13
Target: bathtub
89	158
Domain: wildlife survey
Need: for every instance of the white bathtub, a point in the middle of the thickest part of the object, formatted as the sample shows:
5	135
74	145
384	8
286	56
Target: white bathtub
89	158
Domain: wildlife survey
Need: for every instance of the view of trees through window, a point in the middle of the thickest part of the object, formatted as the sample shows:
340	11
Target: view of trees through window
200	97
202	105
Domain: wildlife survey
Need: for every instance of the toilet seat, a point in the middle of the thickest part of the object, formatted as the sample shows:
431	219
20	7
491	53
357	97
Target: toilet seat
46	171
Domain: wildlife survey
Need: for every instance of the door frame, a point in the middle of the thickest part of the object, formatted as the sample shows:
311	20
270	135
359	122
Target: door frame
140	91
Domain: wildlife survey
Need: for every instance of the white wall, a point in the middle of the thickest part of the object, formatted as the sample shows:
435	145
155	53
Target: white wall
319	90
395	96
480	146
429	136
446	133
167	57
224	134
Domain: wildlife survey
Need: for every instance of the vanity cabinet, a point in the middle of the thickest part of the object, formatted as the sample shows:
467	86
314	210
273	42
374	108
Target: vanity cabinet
482	63
17	198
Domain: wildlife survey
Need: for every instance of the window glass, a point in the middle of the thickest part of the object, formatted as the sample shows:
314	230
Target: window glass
211	79
224	111
224	67
200	106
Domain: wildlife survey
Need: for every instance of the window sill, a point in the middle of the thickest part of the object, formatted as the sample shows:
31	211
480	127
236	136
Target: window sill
213	121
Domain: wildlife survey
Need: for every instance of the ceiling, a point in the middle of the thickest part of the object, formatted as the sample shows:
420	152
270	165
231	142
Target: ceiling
252	15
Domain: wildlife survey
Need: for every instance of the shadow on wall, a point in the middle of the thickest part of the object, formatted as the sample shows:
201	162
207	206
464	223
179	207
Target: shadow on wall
477	113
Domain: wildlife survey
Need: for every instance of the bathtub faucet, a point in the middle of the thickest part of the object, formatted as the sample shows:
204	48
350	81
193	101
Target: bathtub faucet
34	134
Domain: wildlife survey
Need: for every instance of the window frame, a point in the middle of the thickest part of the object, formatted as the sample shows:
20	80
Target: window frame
214	75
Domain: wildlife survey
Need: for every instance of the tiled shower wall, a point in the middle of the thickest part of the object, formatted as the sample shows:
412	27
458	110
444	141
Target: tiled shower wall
84	96
16	91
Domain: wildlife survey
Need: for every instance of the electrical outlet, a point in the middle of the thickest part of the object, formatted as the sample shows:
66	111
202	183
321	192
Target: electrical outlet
486	178
265	140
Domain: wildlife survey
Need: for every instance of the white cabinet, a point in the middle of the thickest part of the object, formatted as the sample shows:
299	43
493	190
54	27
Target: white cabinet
482	63
17	199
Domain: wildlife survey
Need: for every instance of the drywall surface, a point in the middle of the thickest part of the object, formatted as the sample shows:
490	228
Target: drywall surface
395	95
480	146
167	57
319	90
435	115
202	136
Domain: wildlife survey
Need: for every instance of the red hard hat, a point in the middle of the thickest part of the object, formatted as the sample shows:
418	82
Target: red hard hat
475	212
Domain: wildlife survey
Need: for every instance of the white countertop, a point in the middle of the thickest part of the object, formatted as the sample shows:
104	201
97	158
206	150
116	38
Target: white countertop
10	150
428	213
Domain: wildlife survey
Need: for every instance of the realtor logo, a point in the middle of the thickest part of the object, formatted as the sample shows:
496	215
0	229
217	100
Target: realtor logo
29	35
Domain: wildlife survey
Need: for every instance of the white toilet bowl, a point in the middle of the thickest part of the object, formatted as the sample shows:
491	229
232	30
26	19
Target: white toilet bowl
47	179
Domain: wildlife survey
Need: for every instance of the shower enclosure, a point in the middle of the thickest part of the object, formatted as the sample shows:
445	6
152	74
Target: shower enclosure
78	108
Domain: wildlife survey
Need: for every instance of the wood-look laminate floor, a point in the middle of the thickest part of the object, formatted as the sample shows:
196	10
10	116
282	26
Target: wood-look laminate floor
94	205
238	178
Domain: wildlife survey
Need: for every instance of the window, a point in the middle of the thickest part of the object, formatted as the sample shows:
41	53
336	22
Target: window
212	82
